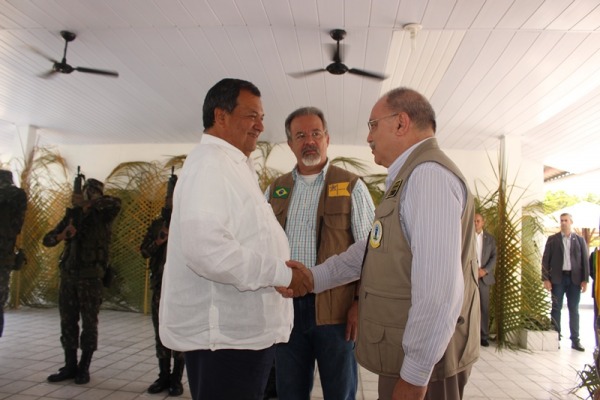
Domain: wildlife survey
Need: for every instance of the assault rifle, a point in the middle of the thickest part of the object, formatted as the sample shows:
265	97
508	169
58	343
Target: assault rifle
169	198
77	212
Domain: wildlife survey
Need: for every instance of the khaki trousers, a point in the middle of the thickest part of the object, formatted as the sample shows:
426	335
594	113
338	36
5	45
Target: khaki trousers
451	388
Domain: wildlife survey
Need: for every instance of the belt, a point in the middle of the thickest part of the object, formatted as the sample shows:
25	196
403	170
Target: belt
566	272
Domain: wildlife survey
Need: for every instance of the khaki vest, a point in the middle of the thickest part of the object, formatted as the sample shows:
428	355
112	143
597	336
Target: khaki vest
334	236
385	293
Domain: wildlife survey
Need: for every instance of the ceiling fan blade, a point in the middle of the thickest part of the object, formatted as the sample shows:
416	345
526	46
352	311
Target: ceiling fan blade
366	74
306	73
47	74
97	71
41	53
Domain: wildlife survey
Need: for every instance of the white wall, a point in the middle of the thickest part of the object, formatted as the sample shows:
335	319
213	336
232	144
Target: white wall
97	161
477	166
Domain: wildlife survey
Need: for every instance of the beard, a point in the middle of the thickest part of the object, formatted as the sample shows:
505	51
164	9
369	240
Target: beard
311	160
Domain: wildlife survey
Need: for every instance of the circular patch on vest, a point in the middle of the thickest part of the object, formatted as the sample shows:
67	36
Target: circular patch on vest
376	234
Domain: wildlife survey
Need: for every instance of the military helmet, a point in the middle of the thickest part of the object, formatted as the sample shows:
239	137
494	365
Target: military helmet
6	176
94	184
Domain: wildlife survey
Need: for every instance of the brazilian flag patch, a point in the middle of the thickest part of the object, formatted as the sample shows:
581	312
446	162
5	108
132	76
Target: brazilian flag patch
281	193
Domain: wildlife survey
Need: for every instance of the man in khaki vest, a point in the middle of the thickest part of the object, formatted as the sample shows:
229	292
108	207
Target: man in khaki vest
323	209
418	301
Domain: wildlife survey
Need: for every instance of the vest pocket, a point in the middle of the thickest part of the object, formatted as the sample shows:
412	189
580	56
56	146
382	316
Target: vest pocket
382	319
337	221
379	348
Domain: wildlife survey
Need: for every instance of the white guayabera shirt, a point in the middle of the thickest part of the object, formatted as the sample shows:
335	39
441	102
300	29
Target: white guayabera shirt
225	253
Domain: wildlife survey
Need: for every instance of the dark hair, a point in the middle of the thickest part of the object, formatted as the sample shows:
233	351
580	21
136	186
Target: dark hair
224	95
413	103
303	111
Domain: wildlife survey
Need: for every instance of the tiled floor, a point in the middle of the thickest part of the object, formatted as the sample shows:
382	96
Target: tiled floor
125	365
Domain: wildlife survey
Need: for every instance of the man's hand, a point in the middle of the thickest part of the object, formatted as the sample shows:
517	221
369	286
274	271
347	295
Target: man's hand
352	322
302	279
548	285
583	286
68	232
405	391
482	272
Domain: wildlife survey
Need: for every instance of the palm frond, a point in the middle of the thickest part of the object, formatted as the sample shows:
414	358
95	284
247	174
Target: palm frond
518	299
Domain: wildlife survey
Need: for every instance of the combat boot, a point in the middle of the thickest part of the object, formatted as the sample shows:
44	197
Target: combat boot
69	370
163	381
83	370
176	388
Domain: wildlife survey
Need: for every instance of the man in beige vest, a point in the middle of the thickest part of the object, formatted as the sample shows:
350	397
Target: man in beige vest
323	209
418	304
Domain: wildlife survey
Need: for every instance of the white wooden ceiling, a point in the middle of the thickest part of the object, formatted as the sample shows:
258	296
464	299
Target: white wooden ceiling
529	68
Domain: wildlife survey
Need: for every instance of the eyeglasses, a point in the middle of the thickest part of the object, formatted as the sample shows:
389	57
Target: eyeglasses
372	124
315	135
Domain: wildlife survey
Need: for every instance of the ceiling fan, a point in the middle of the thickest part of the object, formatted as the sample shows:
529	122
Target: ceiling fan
337	67
65	68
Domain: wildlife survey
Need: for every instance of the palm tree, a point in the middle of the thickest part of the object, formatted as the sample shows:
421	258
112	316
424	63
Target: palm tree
44	179
518	299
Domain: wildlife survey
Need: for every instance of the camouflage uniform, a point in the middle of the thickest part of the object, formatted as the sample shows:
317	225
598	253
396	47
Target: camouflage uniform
13	203
158	255
82	267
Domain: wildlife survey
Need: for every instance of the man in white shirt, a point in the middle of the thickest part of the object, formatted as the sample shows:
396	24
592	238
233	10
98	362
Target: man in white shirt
225	253
565	272
486	258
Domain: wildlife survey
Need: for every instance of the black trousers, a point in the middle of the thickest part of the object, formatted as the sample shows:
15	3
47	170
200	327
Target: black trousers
229	374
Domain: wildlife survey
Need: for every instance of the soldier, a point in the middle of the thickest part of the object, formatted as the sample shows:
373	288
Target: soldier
13	203
154	247
82	266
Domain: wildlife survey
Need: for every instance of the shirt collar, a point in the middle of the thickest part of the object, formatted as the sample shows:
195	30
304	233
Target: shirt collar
227	147
394	168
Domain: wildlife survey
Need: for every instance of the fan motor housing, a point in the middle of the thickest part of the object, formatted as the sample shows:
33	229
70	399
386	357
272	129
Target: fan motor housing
337	68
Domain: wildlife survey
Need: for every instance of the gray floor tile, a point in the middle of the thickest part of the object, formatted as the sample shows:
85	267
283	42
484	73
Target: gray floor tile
125	365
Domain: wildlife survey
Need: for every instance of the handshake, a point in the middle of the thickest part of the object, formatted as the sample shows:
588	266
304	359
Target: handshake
302	281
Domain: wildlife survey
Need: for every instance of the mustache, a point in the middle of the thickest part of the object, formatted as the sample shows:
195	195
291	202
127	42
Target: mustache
372	145
308	148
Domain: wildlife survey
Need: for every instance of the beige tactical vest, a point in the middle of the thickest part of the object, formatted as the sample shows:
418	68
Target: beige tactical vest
385	292
334	234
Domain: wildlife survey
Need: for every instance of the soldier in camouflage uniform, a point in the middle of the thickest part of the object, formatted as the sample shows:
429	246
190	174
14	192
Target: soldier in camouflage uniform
13	203
154	246
82	266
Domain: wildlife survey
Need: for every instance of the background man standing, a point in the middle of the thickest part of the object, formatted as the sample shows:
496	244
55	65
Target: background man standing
323	209
83	264
13	203
486	258
565	271
225	253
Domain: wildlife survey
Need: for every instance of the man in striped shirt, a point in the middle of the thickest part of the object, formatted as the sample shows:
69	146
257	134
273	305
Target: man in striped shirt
418	304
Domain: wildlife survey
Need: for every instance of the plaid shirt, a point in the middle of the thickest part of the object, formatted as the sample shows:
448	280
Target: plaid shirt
301	223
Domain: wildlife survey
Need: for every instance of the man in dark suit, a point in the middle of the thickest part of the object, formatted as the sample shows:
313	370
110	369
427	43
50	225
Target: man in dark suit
486	257
565	271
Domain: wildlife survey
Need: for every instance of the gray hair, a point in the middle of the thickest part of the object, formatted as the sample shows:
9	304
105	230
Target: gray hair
300	112
414	104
